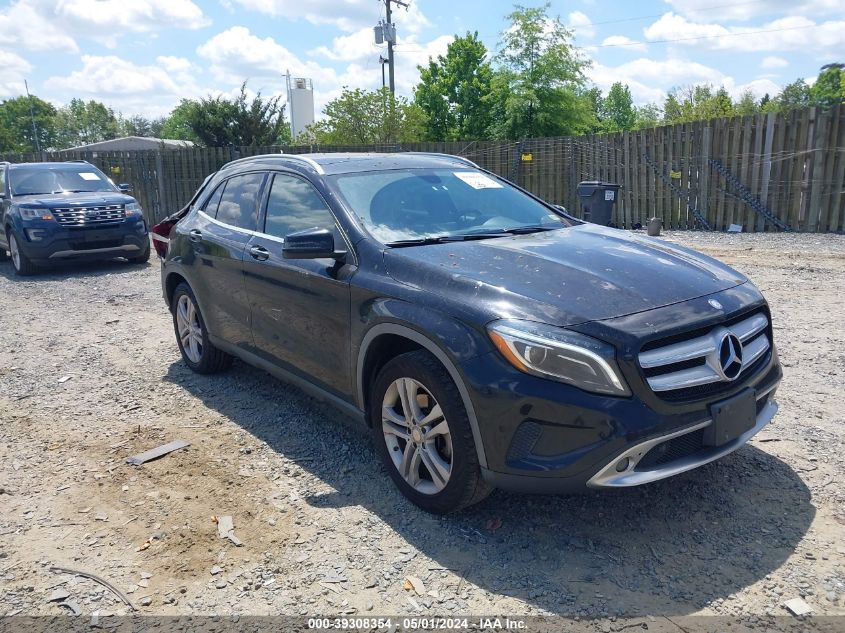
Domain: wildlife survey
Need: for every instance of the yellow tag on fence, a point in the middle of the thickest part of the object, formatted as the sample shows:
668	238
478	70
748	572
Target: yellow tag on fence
527	158
115	170
675	174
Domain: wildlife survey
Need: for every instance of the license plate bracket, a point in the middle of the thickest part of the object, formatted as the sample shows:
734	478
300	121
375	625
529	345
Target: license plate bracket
731	418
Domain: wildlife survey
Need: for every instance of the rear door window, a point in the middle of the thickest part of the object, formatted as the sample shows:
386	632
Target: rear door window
238	205
210	208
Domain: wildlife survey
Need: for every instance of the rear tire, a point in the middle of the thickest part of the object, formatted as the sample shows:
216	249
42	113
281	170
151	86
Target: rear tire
192	336
21	264
429	453
144	257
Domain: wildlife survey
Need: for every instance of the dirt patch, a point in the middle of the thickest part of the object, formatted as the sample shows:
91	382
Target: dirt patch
323	529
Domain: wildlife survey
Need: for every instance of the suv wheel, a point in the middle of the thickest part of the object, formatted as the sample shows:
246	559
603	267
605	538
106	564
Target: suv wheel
197	351
20	262
421	430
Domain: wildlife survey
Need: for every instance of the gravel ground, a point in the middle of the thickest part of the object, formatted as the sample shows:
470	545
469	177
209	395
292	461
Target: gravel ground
90	374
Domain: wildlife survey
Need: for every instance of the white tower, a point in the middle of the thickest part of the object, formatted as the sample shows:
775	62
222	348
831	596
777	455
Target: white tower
300	104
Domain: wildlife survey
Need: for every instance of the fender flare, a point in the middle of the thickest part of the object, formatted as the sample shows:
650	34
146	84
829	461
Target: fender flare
439	354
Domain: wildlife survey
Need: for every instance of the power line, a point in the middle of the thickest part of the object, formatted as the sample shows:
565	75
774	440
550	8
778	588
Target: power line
708	37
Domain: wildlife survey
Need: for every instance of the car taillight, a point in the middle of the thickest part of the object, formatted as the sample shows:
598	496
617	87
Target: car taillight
161	236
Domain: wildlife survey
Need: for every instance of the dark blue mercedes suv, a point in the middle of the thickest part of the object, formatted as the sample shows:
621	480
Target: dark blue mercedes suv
487	338
52	212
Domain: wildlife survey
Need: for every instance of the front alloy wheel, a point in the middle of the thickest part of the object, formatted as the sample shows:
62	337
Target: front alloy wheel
20	262
422	433
417	435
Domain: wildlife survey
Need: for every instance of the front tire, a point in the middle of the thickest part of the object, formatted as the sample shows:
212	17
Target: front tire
422	433
192	336
20	262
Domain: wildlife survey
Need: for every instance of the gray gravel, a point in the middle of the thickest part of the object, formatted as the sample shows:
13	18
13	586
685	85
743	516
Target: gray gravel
323	529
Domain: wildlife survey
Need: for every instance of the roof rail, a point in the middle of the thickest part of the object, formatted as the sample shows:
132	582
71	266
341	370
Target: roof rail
309	161
77	160
305	159
465	161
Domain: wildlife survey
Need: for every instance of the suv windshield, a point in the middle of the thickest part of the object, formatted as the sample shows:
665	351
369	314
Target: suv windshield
27	181
416	205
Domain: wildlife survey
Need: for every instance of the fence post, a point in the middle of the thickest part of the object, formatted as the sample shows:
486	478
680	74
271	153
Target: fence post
767	167
162	191
704	174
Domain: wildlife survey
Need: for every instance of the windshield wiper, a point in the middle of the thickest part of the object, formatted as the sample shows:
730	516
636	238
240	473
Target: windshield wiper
465	237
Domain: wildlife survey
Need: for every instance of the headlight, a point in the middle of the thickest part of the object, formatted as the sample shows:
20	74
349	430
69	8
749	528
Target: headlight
133	208
552	352
35	213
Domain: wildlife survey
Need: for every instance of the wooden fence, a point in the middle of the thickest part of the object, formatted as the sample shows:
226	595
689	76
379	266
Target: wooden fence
763	172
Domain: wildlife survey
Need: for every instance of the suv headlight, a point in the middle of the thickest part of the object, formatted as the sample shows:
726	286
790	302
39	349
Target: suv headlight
133	208
35	213
551	352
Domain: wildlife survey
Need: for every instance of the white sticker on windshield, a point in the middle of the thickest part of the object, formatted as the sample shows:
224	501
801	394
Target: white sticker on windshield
477	180
88	175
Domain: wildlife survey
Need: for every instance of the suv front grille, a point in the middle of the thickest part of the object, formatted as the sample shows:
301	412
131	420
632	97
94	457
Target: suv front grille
707	362
88	216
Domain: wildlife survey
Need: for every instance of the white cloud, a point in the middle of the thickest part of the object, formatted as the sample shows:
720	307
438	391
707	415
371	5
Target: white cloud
237	54
347	15
773	61
758	88
626	43
15	68
783	34
581	24
703	9
22	26
50	25
350	47
131	88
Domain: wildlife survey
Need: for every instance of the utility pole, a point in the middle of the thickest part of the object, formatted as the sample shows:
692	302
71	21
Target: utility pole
386	31
32	116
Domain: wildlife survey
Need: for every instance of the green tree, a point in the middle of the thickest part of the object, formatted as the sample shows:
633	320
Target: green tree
139	125
454	91
16	119
82	122
361	117
829	87
544	73
177	124
220	122
647	116
746	104
696	103
617	109
793	95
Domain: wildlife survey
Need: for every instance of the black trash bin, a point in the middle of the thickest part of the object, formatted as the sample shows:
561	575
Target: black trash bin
598	198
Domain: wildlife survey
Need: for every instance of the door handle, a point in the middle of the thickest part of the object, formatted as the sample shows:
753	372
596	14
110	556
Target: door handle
195	235
259	252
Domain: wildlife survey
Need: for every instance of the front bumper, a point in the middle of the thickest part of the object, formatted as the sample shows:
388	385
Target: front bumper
125	239
539	435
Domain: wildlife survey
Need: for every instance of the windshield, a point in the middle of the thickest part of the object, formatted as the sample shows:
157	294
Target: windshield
419	204
27	181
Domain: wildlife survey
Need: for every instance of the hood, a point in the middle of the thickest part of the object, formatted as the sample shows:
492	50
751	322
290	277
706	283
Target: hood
84	199
563	277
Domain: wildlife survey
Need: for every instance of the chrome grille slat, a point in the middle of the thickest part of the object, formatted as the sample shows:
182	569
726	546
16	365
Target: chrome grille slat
705	348
88	216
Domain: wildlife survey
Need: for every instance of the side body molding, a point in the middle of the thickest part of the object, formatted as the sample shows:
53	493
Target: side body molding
431	346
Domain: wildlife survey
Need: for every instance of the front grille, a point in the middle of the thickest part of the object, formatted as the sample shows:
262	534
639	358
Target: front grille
671	450
89	216
701	364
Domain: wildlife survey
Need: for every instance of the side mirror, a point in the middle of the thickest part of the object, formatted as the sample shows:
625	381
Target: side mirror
313	243
125	187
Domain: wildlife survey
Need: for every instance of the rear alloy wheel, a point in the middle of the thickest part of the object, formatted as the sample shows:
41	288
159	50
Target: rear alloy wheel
421	430
20	262
197	351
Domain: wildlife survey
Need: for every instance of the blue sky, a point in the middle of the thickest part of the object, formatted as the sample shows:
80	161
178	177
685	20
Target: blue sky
142	56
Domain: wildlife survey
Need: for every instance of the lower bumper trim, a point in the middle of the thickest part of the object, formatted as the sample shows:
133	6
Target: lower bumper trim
608	477
117	250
